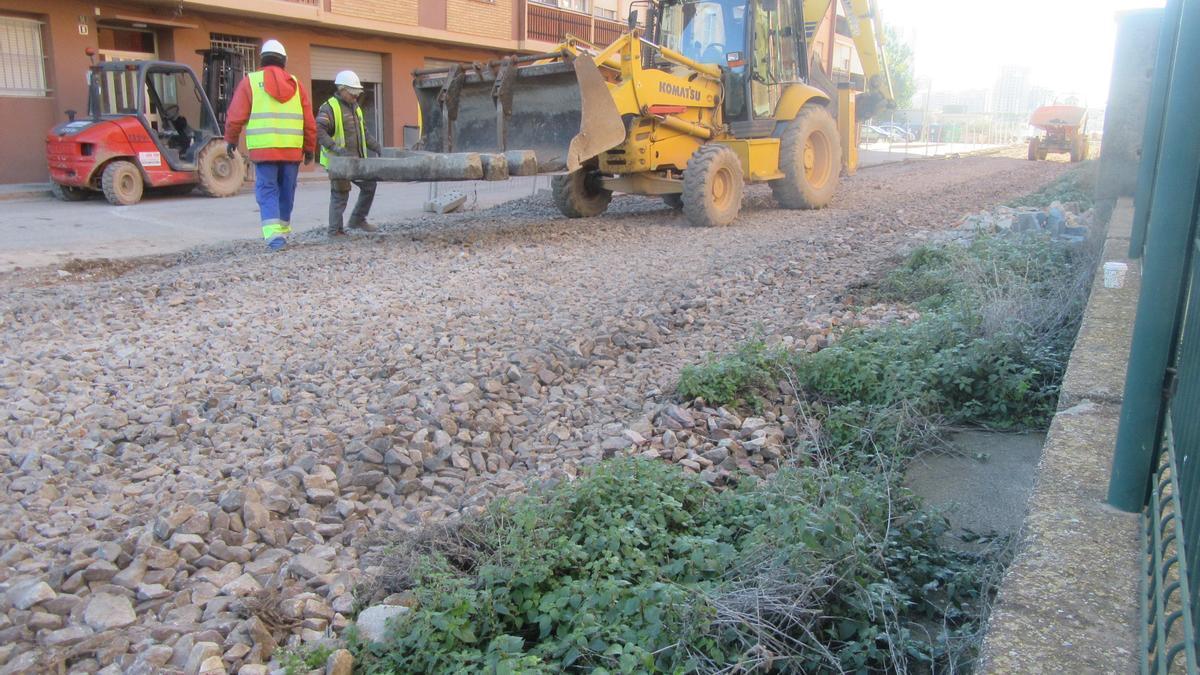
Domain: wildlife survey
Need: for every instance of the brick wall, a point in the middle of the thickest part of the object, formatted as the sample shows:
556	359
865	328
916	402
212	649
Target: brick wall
389	11
489	18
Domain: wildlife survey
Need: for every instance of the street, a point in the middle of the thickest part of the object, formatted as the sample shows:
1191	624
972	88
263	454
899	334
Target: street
389	381
44	231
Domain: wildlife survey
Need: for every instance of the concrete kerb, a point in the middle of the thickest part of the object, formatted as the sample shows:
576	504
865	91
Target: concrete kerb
1069	601
36	190
24	191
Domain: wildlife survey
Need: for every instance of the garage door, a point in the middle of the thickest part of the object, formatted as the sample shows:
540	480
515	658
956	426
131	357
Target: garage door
328	62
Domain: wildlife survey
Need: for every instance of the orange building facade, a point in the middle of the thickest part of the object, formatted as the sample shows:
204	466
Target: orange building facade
43	66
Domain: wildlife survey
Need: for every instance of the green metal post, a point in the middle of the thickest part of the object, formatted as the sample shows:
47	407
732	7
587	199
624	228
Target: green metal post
1168	245
1152	136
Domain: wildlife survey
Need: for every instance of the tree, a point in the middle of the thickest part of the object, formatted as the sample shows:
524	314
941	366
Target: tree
899	56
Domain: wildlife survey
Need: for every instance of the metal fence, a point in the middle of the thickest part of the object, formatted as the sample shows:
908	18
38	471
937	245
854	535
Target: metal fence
1156	468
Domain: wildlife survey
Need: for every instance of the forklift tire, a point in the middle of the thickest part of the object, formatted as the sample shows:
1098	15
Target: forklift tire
579	194
69	193
122	183
674	200
1033	149
810	157
219	174
713	186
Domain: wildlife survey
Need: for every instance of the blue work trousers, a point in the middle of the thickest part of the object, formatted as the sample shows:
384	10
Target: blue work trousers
275	191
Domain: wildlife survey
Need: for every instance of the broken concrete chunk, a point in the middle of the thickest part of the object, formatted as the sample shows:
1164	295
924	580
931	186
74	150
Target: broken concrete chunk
446	202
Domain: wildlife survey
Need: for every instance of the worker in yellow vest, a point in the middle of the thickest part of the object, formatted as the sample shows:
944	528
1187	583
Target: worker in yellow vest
341	131
276	114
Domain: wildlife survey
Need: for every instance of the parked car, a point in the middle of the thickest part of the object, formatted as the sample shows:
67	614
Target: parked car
872	134
898	132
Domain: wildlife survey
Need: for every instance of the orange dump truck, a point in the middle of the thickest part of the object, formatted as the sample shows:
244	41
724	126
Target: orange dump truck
1063	131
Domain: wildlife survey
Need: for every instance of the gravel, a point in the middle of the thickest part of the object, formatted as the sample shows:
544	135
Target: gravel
192	449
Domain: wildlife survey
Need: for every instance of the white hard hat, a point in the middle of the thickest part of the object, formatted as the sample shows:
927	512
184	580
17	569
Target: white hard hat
348	78
273	47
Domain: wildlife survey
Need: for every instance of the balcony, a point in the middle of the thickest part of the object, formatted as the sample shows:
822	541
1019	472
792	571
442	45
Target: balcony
549	24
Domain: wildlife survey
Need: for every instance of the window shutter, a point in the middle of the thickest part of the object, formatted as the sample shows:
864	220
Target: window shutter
22	62
326	62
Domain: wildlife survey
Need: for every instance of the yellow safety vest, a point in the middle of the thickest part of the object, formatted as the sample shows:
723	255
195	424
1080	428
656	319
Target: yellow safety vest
273	124
339	131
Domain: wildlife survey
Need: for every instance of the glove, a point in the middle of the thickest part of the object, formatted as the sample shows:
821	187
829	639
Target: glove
230	149
308	157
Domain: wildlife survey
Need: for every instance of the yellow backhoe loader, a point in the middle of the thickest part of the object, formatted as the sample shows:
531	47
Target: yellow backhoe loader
708	96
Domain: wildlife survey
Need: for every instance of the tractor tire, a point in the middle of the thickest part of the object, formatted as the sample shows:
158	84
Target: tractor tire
69	193
675	201
810	157
122	183
579	195
1033	150
712	187
219	174
1078	151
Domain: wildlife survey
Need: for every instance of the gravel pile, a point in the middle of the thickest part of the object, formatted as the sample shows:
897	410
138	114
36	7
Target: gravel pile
190	452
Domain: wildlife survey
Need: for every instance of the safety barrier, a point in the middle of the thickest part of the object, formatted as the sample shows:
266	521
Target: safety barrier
1156	467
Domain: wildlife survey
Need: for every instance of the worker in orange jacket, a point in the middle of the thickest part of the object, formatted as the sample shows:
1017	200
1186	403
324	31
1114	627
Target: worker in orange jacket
276	115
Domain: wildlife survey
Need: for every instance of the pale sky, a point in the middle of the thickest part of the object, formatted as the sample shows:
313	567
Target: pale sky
961	44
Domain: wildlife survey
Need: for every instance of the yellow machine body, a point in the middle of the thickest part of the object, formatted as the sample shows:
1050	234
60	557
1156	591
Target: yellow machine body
635	113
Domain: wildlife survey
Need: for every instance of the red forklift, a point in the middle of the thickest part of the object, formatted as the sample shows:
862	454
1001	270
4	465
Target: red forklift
149	124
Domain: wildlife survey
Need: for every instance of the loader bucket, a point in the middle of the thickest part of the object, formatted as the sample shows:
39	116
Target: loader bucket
561	110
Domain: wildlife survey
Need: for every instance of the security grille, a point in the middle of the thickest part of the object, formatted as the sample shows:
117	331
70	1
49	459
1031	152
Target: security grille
22	61
246	46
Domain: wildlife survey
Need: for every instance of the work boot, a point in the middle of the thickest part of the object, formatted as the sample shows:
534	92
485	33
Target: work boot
276	243
364	226
336	233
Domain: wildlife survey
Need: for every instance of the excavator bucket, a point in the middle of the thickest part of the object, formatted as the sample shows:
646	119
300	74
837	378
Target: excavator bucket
559	109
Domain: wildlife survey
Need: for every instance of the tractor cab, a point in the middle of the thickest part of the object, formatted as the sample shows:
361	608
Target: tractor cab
755	42
166	99
149	124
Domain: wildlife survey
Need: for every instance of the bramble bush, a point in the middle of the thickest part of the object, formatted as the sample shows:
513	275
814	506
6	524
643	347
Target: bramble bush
830	565
641	567
1076	185
998	321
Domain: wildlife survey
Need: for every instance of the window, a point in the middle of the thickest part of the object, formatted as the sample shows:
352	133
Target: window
577	5
116	38
842	56
22	62
246	46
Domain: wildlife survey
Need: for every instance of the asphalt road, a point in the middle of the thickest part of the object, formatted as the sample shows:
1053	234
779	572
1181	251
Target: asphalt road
40	231
44	231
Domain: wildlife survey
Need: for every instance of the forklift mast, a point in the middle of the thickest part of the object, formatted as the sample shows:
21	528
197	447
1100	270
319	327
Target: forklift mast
223	70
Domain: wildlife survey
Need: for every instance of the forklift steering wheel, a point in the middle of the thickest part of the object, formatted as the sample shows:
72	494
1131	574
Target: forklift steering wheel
170	113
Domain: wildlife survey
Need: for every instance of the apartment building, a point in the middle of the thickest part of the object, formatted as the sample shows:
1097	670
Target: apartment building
43	64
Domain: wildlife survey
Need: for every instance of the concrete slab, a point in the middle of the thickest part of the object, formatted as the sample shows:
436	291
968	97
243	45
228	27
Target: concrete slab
1069	602
1107	329
1104	342
985	486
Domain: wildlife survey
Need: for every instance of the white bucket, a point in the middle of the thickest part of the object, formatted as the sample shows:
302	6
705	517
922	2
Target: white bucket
1114	274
